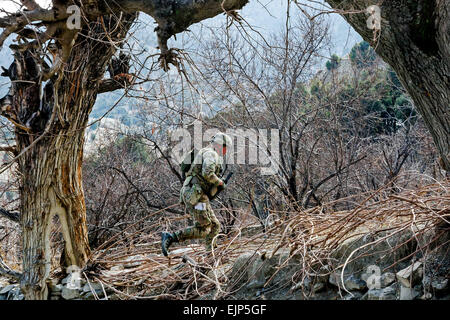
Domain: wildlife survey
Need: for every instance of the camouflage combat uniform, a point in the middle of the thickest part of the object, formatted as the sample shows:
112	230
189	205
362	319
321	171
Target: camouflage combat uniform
200	179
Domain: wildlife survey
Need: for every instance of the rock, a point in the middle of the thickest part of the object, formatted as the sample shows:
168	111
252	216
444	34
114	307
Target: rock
378	254
318	287
411	275
307	283
8	288
391	290
255	284
355	296
374	294
55	288
388	293
242	267
323	274
439	284
69	293
251	271
387	279
15	294
335	279
117	268
426	296
353	283
407	293
96	286
89	296
2	297
134	261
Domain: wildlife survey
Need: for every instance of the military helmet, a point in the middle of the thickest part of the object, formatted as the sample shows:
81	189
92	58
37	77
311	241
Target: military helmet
222	139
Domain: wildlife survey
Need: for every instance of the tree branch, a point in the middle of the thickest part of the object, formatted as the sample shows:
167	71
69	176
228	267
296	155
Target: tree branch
109	85
30	4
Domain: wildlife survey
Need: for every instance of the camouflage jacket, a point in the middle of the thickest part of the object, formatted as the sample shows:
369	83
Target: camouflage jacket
207	167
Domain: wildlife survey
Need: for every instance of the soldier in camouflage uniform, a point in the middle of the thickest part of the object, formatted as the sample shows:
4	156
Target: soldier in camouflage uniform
202	182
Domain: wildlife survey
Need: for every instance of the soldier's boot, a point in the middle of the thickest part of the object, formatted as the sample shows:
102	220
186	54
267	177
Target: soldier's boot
167	239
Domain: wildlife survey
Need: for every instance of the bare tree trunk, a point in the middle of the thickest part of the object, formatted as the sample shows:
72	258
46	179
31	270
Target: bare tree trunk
53	140
415	41
51	185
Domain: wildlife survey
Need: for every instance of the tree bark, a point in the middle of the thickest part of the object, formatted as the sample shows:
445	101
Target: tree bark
51	171
415	41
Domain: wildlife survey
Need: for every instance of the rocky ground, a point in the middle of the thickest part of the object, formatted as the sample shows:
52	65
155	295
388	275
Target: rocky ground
396	248
261	275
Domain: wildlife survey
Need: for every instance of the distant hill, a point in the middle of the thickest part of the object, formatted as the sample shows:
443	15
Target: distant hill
265	16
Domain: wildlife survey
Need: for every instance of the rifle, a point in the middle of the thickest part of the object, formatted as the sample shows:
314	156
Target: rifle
220	189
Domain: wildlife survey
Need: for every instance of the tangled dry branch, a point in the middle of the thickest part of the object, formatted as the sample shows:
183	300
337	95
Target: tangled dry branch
139	271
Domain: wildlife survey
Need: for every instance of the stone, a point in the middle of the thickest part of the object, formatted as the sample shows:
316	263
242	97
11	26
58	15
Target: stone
370	252
96	286
426	296
134	261
15	294
354	296
307	283
55	288
89	296
335	279
117	268
257	268
318	287
255	284
69	293
407	293
353	283
388	293
387	279
8	288
56	293
439	284
323	274
411	275
391	290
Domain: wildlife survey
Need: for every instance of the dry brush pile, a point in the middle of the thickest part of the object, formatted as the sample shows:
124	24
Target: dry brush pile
310	238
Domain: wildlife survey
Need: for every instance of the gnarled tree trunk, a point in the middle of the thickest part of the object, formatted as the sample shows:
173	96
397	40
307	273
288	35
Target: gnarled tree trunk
415	40
51	170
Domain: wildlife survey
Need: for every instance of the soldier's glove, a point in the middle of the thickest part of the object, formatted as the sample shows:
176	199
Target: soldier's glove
221	186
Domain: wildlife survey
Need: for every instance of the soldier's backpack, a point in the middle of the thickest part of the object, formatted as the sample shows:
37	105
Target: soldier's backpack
187	162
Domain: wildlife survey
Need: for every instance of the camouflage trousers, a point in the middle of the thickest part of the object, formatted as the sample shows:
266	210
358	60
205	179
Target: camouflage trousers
206	225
